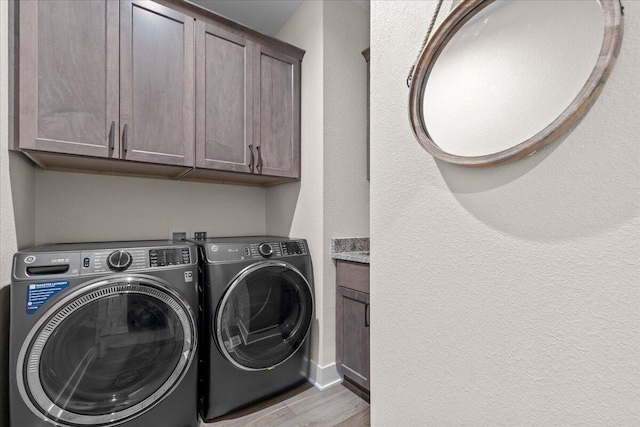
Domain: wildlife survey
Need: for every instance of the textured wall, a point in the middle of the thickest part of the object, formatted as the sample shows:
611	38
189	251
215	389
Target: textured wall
507	295
332	199
7	224
295	209
80	207
23	189
7	228
346	189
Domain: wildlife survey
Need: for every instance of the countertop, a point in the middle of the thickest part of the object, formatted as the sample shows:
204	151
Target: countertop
354	249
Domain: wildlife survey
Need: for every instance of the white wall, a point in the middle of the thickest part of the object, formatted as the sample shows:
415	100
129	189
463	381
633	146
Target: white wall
506	295
17	205
7	229
75	207
23	189
332	199
346	189
296	209
7	225
17	174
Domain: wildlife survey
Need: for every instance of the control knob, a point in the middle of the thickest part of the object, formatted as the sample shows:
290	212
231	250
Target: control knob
119	260
265	250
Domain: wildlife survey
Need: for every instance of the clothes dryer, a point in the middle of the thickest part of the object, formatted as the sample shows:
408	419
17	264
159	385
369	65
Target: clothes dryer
258	307
104	334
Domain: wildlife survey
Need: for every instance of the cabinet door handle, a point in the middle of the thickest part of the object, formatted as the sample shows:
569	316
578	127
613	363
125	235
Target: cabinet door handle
251	161
125	139
367	312
112	136
259	159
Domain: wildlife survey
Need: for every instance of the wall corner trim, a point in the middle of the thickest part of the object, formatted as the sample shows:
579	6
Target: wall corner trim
323	377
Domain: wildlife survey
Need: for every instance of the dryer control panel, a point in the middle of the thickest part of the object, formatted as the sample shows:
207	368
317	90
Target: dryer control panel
255	251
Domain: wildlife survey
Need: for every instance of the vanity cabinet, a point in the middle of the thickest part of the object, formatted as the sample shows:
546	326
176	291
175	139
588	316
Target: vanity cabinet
106	79
352	323
155	88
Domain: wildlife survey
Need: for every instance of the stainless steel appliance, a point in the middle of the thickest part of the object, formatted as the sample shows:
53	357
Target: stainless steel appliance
257	313
104	334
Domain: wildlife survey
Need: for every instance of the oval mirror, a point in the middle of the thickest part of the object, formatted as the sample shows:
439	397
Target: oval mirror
500	79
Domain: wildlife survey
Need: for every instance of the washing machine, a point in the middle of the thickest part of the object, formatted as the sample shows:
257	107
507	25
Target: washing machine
258	308
104	334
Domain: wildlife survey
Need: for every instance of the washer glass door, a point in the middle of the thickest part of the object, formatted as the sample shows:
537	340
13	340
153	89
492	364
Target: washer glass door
108	354
264	316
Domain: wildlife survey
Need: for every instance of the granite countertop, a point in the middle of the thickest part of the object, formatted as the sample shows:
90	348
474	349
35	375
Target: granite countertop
351	249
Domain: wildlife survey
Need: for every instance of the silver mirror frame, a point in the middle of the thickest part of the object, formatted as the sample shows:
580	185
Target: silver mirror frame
563	124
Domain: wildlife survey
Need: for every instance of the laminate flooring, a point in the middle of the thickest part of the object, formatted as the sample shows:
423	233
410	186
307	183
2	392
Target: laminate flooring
301	407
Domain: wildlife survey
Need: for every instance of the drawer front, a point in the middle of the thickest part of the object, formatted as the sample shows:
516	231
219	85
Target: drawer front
353	275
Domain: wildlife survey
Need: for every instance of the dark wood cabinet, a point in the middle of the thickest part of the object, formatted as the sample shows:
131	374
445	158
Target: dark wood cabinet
353	328
276	113
174	90
156	84
352	323
224	101
106	79
68	77
248	106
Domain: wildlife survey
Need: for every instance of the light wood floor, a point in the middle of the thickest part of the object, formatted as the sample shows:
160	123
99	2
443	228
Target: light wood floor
303	406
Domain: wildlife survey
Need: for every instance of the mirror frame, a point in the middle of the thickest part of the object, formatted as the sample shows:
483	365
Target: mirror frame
563	124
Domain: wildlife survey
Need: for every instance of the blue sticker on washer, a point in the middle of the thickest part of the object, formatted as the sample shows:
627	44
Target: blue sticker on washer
39	293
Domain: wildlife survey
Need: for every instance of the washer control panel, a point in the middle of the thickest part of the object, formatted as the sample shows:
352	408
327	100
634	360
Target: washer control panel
59	264
167	257
106	261
254	251
132	259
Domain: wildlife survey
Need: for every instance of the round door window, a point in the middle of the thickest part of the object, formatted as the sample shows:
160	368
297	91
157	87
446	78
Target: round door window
265	316
109	354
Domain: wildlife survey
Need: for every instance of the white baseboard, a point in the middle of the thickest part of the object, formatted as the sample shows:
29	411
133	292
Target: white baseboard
323	376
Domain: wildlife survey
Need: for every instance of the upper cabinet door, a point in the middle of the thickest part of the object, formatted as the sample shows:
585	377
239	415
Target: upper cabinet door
276	113
223	100
156	84
68	86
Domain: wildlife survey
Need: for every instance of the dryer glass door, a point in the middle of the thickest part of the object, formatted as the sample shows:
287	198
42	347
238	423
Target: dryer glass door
109	353
265	316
